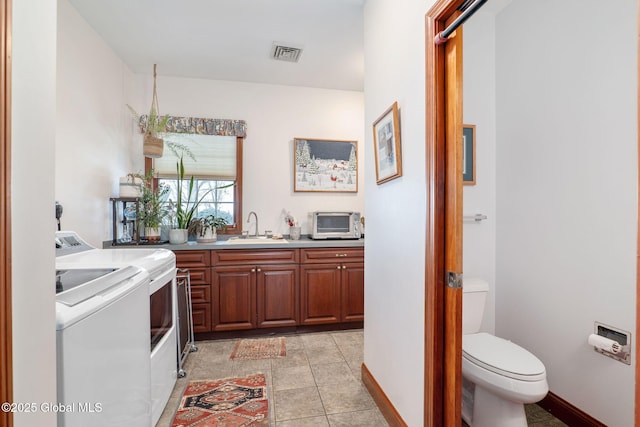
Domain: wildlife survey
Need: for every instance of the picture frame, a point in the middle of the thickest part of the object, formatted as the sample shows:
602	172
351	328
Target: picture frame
325	165
386	145
469	154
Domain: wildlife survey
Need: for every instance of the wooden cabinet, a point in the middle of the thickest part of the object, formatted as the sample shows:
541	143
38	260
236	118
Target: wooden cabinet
243	289
254	289
197	262
332	285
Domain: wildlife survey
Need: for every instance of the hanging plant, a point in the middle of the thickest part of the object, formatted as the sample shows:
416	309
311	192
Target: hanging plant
155	126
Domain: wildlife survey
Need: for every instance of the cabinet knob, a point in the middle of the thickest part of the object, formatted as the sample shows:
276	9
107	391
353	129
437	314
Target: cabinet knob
259	270
253	270
344	267
339	267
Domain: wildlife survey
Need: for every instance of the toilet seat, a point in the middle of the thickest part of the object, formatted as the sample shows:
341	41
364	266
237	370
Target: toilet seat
502	357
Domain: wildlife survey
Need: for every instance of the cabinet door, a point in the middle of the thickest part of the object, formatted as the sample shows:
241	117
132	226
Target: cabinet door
277	295
234	298
352	292
320	293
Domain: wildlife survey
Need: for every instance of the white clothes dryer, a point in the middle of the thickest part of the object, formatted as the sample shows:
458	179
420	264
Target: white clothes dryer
103	367
72	251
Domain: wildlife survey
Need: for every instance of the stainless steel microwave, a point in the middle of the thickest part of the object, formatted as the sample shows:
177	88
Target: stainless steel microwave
336	225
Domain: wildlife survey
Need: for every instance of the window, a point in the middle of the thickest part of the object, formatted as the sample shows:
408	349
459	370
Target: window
217	172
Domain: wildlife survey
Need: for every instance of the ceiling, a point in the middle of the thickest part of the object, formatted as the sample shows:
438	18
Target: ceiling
233	39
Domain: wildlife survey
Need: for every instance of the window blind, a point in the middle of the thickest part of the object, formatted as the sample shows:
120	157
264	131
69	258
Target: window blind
215	157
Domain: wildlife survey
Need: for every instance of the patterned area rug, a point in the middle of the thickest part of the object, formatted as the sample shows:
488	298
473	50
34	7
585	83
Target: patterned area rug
262	348
229	402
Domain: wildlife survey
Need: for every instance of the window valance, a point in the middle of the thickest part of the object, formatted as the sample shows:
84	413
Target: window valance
201	126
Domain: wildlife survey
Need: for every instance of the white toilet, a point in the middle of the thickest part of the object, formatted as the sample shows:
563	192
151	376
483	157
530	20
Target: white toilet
499	377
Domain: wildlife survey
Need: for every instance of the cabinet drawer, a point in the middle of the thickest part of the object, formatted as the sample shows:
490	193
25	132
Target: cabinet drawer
190	259
262	256
200	294
201	317
199	276
324	255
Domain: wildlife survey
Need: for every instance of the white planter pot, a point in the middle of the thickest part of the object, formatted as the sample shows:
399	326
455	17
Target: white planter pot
130	187
178	236
209	236
152	234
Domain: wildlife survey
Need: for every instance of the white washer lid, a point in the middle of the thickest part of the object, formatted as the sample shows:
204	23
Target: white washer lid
502	357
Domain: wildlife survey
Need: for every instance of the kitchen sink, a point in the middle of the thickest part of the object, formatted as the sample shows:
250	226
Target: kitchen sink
254	240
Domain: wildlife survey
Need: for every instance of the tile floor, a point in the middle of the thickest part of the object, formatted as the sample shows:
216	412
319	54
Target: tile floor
317	384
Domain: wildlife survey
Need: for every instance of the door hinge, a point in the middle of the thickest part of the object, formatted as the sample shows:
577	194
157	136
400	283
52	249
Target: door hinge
454	280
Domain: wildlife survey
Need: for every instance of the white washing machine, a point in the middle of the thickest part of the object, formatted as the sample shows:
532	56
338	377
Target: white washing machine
103	368
72	252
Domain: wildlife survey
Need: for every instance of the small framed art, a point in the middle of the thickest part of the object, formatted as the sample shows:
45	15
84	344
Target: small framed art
386	144
469	154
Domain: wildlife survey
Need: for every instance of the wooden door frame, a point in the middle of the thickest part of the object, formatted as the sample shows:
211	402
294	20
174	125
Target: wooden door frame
435	391
6	365
637	344
441	368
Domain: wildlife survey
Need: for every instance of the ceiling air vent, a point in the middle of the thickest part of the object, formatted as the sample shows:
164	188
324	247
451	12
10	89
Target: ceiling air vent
285	53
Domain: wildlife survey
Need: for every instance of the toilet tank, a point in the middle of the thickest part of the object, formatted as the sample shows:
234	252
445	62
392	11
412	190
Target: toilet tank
474	296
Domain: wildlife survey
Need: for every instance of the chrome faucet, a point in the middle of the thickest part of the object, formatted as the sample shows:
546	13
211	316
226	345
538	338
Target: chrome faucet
249	218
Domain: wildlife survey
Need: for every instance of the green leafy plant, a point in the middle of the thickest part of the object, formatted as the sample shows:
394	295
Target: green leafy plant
152	207
155	126
200	225
187	204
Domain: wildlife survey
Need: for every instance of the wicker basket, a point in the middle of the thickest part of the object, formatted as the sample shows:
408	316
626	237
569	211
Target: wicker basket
152	146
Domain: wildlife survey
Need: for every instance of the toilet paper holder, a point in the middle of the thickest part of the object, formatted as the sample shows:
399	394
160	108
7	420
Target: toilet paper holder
611	342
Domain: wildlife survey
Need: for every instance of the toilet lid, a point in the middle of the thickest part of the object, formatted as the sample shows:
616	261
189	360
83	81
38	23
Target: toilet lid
502	357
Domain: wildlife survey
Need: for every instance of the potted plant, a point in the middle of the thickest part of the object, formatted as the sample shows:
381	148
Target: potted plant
205	228
155	126
186	205
152	208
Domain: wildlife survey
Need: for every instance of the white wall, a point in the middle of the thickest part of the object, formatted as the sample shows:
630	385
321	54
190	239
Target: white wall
396	210
94	144
32	205
567	191
275	115
98	142
479	94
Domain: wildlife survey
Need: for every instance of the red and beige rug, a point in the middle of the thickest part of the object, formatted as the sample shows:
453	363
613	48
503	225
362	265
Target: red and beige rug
261	348
229	402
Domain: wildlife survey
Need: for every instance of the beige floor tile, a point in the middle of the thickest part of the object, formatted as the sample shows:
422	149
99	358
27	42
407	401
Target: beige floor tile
321	340
210	371
352	351
304	422
324	355
293	342
298	403
348	338
297	357
318	383
347	397
332	373
293	377
368	418
243	368
214	351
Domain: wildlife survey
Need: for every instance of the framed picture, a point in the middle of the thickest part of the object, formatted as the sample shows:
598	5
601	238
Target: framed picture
469	154
386	144
325	165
